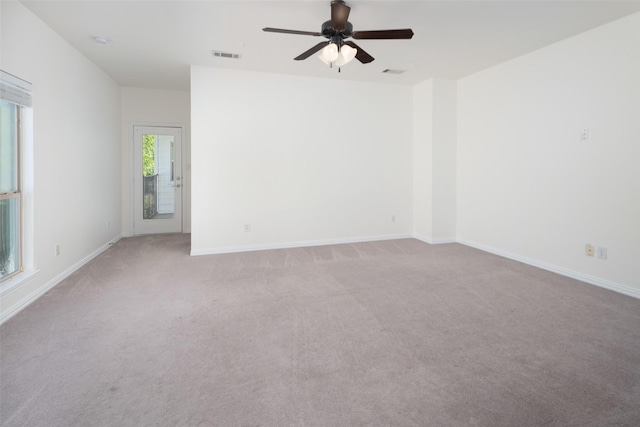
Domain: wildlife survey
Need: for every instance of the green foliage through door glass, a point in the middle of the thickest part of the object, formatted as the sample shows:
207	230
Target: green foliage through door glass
148	155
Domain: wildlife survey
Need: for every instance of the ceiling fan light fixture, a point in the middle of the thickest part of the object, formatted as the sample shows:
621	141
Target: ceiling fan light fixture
347	53
330	52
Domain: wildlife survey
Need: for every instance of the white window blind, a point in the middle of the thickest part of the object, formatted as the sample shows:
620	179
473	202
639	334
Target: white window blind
15	90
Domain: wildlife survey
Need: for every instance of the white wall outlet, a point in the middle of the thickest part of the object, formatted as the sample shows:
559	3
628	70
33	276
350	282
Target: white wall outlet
57	250
393	218
584	134
247	228
108	225
601	252
589	250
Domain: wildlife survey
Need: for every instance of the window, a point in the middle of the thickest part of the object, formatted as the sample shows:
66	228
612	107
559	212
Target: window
14	97
10	261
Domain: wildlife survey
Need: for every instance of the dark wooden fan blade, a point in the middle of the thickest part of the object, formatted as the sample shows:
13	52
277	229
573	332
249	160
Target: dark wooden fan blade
361	55
311	51
406	33
302	33
339	15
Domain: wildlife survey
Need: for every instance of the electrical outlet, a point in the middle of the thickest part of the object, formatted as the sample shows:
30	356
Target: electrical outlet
584	134
57	250
108	225
589	250
247	228
393	218
601	252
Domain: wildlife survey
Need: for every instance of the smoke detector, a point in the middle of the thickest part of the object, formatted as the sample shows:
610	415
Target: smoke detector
100	39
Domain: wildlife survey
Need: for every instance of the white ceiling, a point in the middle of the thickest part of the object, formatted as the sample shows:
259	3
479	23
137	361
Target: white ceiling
152	43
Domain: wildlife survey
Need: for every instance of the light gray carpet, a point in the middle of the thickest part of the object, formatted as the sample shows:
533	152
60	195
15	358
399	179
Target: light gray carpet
397	333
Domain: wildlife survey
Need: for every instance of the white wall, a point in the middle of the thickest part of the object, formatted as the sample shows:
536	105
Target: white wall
527	185
434	160
159	108
76	116
423	160
302	160
444	160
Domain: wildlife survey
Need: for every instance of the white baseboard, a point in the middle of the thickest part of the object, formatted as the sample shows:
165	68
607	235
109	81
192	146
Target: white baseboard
24	302
434	240
607	284
301	244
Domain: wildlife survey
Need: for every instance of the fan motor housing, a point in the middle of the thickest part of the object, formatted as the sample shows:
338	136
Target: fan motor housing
329	32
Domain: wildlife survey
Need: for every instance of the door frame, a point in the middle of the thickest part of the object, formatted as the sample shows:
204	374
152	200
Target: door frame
132	168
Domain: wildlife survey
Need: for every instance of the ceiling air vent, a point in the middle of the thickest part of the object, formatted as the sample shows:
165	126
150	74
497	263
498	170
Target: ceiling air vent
229	55
390	71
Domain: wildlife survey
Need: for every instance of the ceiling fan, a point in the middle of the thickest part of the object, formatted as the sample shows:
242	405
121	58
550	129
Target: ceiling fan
337	51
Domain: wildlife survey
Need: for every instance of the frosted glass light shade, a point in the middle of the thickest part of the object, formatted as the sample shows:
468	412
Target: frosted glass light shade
348	53
330	52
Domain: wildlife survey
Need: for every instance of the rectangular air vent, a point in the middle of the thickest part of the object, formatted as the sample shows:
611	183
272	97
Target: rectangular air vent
390	71
230	55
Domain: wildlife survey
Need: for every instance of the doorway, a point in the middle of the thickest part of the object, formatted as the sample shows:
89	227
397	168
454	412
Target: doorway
157	180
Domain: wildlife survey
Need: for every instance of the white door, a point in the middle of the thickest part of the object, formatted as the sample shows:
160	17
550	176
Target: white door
157	180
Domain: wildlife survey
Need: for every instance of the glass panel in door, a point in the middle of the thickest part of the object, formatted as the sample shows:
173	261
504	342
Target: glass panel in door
158	179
